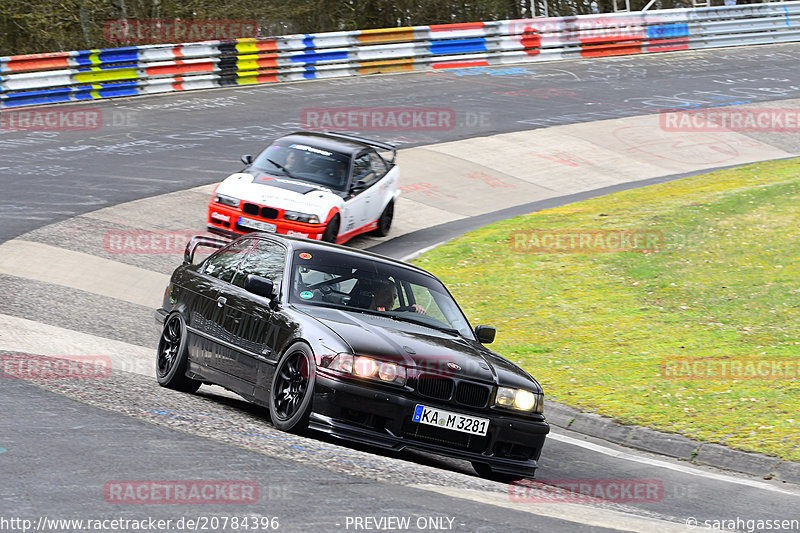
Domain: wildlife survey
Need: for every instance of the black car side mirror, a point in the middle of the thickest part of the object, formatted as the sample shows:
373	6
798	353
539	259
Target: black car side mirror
247	159
485	334
259	286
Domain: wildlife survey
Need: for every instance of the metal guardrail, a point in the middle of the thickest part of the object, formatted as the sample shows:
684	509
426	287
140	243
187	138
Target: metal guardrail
93	74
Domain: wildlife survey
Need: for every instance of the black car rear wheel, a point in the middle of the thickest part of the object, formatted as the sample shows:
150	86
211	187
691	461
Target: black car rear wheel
385	222
292	389
171	358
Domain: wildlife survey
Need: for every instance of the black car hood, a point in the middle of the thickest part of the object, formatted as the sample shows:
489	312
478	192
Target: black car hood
420	347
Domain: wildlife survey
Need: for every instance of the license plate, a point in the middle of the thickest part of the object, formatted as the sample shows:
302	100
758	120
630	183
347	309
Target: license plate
455	421
257	224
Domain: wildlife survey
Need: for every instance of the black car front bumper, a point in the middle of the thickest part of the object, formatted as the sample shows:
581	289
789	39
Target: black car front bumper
380	417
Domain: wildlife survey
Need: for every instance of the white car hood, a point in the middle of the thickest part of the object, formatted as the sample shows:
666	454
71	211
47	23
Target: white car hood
281	193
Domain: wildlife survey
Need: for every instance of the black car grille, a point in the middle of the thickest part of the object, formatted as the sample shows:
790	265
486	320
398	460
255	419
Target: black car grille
472	394
444	437
434	386
269	213
442	388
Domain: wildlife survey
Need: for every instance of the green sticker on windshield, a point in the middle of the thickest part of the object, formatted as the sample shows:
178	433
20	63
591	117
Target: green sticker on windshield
306	294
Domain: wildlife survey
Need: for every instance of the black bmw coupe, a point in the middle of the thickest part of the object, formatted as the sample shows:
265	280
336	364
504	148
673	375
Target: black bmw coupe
350	343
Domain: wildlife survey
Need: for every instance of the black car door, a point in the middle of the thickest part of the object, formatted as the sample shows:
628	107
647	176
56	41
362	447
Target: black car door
253	325
200	295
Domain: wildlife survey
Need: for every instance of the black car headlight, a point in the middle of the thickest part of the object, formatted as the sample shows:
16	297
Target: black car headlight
301	217
519	399
226	200
369	368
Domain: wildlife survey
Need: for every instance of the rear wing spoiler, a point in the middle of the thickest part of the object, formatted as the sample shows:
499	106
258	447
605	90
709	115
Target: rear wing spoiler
377	144
201	240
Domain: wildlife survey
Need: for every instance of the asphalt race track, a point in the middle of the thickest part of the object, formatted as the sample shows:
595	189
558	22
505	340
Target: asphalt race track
63	443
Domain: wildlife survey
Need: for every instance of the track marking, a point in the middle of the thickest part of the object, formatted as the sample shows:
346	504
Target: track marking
104	277
589	515
29	337
669	466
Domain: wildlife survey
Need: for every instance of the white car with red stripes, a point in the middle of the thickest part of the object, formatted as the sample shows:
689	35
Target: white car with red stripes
322	186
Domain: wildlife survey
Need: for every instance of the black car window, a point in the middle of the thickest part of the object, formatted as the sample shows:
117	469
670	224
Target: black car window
223	263
265	259
361	284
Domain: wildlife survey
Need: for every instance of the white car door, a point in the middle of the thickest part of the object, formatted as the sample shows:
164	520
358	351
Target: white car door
358	207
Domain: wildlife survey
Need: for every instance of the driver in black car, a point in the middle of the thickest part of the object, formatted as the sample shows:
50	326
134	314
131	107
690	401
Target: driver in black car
384	296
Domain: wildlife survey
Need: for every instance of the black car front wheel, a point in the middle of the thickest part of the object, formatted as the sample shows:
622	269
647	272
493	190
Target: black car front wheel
292	389
171	358
331	230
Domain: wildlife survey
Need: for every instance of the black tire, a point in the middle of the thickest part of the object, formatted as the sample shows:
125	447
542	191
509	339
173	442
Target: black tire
171	357
332	230
385	221
293	389
485	471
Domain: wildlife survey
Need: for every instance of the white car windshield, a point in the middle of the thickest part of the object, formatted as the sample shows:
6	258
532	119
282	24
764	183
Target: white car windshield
306	163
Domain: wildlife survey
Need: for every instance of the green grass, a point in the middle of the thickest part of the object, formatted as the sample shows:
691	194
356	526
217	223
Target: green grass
596	328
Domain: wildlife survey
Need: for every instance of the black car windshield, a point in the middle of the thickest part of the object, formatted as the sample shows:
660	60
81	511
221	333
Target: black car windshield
361	284
305	162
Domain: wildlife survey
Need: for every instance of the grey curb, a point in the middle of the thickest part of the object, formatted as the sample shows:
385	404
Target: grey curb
672	445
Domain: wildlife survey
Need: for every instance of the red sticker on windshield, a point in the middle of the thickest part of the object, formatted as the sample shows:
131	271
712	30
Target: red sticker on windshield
304	255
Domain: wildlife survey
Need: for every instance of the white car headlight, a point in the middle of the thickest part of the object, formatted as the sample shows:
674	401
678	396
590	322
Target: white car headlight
226	200
301	217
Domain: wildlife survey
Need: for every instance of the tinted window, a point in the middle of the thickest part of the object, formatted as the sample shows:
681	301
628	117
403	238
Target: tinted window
361	284
223	263
265	259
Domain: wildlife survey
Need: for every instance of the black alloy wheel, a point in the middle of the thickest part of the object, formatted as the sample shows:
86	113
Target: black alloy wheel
292	390
171	358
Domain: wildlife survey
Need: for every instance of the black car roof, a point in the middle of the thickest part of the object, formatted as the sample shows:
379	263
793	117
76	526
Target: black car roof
327	142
